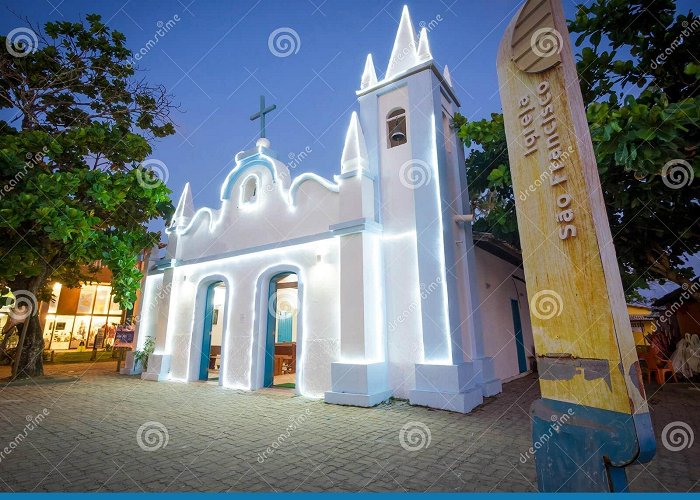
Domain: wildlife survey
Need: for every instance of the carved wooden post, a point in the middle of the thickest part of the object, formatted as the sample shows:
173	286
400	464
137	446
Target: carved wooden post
593	418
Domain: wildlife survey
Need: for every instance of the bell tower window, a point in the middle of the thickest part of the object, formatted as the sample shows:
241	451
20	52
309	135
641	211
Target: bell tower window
396	128
250	190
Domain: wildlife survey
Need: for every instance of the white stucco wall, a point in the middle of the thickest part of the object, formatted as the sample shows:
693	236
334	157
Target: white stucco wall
497	284
245	315
400	260
152	312
282	210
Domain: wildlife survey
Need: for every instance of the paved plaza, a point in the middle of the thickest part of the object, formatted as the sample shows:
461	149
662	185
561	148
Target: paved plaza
105	432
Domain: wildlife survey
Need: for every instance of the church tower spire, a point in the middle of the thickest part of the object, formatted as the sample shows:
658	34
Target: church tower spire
355	150
423	46
369	75
403	55
446	75
185	209
417	163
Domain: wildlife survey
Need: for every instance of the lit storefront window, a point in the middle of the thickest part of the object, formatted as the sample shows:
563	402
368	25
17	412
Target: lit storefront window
87	299
61	328
102	300
82	318
114	307
80	332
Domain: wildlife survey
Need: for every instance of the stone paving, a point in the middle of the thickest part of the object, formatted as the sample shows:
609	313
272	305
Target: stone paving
107	432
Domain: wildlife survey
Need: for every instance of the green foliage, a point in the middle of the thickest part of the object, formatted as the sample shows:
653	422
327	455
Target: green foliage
141	356
70	192
490	187
640	80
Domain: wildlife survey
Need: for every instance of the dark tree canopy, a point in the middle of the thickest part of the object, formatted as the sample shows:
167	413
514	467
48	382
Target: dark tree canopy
640	79
73	191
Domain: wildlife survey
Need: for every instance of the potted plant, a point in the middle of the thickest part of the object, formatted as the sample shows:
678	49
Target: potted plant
141	356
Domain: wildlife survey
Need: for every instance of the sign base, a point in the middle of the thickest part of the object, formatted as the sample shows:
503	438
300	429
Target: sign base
580	448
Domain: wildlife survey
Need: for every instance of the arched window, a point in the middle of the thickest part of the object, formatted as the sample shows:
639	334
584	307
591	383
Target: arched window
250	190
396	127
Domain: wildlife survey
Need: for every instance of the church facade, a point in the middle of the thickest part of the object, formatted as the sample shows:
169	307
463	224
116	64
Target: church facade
356	289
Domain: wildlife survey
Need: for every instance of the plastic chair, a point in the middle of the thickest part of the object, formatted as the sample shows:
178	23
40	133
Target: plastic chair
659	366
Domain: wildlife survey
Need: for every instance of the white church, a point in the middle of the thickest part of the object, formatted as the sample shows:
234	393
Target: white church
352	290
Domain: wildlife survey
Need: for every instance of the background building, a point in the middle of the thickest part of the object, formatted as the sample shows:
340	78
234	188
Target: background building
80	316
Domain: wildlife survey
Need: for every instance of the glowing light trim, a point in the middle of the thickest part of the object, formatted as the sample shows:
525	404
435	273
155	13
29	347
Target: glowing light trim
440	251
405	40
184	289
309	176
212	218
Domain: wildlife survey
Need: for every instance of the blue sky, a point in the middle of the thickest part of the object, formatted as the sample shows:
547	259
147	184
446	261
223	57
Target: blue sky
216	61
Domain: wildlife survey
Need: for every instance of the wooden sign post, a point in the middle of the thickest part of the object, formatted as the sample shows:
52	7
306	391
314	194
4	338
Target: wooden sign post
593	418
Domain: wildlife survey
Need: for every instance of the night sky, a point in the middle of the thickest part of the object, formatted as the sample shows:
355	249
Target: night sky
216	61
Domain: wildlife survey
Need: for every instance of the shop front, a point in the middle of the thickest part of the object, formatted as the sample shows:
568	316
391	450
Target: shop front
77	318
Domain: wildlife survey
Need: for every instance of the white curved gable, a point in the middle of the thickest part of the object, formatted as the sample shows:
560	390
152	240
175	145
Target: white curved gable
280	210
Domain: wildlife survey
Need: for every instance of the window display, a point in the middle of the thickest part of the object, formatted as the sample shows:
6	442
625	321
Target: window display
80	332
102	300
114	307
87	297
61	331
96	318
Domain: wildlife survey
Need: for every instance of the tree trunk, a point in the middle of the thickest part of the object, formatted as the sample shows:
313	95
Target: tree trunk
93	356
5	337
31	361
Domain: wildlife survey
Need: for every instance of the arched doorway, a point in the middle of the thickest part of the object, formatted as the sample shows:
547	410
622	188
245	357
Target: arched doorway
213	331
282	331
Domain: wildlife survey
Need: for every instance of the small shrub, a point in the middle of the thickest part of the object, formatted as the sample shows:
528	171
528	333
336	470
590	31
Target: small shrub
141	356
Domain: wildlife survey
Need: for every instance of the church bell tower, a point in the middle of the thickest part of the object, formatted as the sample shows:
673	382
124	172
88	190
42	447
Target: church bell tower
434	332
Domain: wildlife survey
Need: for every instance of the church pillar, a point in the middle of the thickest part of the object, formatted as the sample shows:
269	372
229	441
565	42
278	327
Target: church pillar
444	379
159	361
360	378
141	307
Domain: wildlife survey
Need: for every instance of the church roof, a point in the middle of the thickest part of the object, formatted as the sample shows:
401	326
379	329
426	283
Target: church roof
675	295
498	247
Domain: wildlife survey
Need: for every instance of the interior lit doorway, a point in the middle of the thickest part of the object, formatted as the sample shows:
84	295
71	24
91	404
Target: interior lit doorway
211	359
282	326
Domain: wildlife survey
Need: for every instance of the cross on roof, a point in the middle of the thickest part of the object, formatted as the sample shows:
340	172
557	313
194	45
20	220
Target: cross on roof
261	114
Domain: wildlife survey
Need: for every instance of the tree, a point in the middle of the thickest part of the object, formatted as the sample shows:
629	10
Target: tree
74	191
640	80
